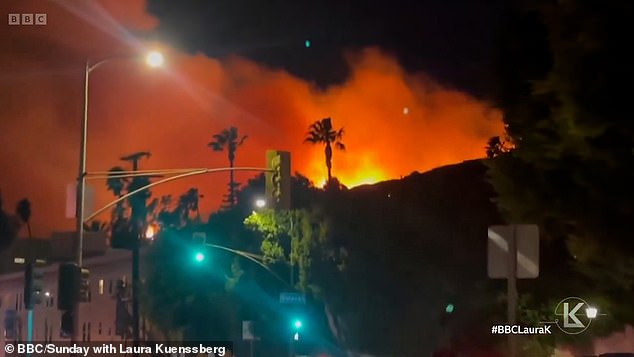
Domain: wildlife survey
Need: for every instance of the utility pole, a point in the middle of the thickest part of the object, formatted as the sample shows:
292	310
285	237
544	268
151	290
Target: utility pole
138	220
512	290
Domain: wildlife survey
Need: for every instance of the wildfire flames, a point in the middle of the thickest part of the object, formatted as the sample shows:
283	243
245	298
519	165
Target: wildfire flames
394	122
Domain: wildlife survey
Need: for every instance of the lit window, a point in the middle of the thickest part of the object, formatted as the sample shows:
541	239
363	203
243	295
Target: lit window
101	287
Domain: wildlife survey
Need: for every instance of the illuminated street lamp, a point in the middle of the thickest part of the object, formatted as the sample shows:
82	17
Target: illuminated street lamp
153	59
260	203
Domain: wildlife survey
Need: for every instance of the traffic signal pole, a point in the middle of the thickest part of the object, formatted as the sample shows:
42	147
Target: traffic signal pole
81	218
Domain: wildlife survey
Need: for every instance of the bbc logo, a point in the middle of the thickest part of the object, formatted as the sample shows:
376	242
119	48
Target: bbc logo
27	19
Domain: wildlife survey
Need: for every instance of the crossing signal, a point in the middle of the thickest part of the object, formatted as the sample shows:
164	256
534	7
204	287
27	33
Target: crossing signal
278	179
33	285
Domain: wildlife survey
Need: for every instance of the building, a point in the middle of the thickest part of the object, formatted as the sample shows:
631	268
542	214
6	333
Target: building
107	266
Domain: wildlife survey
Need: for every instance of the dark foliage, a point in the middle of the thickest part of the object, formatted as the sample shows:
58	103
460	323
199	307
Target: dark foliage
564	71
10	224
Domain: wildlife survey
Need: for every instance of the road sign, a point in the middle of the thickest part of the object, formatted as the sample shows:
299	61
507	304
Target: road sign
527	242
292	298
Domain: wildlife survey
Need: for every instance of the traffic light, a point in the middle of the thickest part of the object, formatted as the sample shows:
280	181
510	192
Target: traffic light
296	325
68	286
449	308
199	240
278	179
33	285
84	285
199	256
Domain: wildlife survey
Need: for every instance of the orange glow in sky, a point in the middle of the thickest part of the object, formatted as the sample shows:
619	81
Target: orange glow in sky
175	111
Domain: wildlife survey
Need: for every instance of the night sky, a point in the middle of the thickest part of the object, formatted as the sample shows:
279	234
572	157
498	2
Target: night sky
409	83
453	41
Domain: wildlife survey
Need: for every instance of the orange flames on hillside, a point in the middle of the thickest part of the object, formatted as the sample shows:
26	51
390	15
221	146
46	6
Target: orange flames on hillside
174	112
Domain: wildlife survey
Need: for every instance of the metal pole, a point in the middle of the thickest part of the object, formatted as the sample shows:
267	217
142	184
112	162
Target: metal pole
136	280
81	188
135	290
291	254
512	289
29	325
29	328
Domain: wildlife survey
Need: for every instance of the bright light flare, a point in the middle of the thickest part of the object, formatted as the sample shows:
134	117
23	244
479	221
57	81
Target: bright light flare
591	312
155	59
260	203
199	257
150	232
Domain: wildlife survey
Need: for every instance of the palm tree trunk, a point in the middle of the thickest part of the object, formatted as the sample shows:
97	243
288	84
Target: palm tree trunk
328	152
231	185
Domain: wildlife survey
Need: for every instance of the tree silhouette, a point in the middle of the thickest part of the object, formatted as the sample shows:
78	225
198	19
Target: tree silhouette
118	187
497	146
9	227
321	132
229	139
23	210
129	216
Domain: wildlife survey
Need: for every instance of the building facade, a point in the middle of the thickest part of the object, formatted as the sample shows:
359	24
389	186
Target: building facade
97	316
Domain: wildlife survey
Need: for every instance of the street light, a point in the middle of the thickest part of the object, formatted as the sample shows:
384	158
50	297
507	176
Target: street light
153	59
260	203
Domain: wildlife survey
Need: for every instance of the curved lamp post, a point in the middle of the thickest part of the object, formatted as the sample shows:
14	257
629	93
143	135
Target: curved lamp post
153	59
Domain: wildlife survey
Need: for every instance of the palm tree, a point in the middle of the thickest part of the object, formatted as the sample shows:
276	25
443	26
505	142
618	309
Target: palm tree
9	225
497	146
187	204
229	139
321	132
23	210
118	185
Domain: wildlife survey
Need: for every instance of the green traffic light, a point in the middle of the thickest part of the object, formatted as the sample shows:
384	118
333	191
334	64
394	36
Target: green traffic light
297	324
307	43
449	309
199	257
